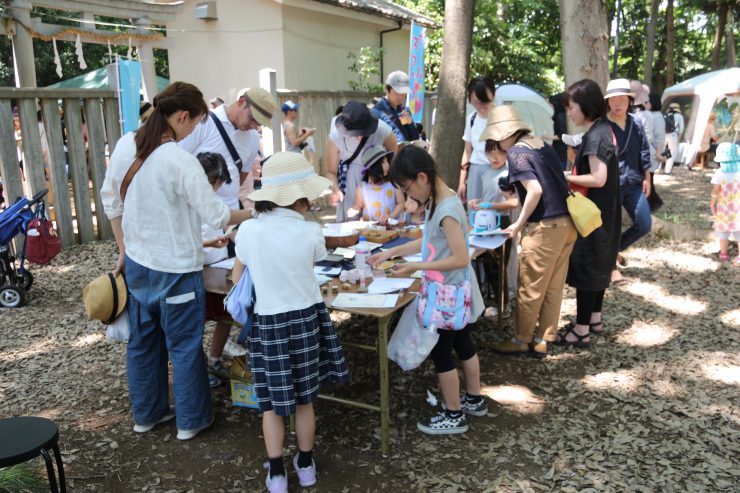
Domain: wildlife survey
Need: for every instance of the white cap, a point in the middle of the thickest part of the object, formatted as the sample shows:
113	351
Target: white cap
572	140
399	82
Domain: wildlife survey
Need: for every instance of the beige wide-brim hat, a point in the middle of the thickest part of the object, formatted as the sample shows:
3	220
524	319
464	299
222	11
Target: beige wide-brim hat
503	122
105	297
262	104
287	177
618	87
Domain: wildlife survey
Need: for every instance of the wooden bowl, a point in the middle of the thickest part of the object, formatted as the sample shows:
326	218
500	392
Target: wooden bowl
341	241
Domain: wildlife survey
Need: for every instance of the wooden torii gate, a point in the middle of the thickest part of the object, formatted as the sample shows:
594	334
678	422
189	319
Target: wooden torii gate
22	28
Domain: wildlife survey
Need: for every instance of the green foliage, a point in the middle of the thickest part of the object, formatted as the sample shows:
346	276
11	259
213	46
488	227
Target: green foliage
21	478
366	66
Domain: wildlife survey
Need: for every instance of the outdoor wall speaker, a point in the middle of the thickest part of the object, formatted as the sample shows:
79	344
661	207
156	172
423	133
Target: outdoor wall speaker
206	11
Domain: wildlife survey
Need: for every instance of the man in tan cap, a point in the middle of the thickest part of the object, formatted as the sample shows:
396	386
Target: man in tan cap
231	130
254	107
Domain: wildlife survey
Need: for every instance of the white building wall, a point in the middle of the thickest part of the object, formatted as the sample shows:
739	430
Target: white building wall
225	55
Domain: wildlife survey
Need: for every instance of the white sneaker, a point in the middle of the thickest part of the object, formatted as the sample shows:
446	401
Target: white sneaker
233	349
145	428
188	434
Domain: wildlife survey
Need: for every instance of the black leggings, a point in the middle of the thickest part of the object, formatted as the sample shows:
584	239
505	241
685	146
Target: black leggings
448	339
587	302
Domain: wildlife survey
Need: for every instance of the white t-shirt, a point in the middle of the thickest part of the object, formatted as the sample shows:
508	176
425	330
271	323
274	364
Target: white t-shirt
166	202
280	248
206	138
347	145
472	136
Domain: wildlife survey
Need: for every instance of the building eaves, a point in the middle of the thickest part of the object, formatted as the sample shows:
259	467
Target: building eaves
383	8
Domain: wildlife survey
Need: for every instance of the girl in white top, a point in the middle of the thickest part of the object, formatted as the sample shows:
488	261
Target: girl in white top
346	133
377	199
481	91
158	232
293	347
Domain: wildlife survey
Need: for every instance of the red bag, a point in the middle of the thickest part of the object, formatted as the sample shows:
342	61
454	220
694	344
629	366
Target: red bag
577	188
42	242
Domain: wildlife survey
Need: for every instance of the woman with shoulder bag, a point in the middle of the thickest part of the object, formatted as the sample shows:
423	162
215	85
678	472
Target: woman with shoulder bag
548	231
597	170
447	272
158	232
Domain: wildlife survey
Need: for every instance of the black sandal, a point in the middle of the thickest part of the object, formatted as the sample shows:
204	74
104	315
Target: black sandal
570	329
596	324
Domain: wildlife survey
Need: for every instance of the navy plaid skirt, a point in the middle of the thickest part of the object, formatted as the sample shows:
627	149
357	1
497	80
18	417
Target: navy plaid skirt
291	354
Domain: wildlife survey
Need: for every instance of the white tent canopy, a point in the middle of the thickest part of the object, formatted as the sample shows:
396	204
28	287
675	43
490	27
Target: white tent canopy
697	97
535	109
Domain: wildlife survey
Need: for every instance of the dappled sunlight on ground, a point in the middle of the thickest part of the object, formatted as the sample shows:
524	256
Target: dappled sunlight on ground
517	398
731	318
642	334
34	349
88	340
654	293
722	373
684	261
621	380
52	413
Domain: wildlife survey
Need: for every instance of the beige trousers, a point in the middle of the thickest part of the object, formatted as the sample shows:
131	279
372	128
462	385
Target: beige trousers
543	266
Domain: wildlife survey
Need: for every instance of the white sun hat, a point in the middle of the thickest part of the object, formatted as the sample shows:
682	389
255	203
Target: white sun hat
287	177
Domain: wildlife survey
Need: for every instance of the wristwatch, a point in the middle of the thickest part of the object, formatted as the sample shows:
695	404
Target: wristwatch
252	212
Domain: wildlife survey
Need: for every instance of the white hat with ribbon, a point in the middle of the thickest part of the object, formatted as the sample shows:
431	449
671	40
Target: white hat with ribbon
287	177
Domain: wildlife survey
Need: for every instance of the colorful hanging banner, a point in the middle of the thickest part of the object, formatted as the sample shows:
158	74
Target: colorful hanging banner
129	93
416	72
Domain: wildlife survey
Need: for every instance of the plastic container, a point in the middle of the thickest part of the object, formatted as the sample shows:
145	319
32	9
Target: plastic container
361	255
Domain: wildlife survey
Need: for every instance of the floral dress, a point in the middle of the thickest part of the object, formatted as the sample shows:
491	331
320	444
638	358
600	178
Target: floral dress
727	217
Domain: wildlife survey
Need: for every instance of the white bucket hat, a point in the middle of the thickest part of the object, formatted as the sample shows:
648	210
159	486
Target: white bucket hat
618	87
287	177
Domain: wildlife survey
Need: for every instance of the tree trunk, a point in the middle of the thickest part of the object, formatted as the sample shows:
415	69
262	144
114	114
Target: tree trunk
721	24
670	46
585	42
447	144
730	41
651	43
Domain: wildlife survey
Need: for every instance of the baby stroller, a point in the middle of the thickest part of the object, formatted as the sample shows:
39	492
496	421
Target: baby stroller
14	283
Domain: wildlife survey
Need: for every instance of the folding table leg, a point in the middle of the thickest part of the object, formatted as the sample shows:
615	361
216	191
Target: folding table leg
60	469
50	471
501	284
385	419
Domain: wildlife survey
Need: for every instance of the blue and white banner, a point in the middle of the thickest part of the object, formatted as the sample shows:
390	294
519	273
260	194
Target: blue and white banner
129	93
416	72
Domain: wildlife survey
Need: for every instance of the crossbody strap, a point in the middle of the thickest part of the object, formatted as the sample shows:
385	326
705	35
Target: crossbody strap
357	150
227	141
130	176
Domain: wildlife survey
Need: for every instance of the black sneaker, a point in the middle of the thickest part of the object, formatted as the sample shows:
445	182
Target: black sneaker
442	424
479	408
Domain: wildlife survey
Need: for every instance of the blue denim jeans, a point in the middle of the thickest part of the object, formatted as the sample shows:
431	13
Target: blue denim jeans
636	205
167	315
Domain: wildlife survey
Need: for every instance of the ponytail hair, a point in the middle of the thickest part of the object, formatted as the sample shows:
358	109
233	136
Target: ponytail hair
178	96
408	163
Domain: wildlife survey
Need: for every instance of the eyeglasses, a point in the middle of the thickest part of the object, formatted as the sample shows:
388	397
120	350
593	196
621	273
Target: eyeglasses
405	188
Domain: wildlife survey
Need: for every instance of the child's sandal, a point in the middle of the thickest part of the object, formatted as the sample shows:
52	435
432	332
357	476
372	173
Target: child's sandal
724	257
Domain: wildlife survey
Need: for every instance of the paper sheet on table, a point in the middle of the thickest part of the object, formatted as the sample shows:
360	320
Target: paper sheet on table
389	285
367	244
224	264
327	271
487	242
360	300
347	253
321	279
413	258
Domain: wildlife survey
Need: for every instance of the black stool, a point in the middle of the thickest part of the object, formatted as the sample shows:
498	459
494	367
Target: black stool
25	437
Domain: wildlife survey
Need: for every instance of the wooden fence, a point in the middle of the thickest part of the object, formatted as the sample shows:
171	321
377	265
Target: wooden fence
90	128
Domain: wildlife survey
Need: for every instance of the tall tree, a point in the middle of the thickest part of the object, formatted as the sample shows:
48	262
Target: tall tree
730	41
585	41
447	146
649	54
670	45
720	34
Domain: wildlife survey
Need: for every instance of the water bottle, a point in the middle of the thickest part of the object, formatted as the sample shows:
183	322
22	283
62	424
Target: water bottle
361	254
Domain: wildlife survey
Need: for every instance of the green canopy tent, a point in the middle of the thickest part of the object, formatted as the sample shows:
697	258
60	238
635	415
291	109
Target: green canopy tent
97	79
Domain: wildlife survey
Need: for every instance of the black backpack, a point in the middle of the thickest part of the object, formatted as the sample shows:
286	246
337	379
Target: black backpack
670	123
